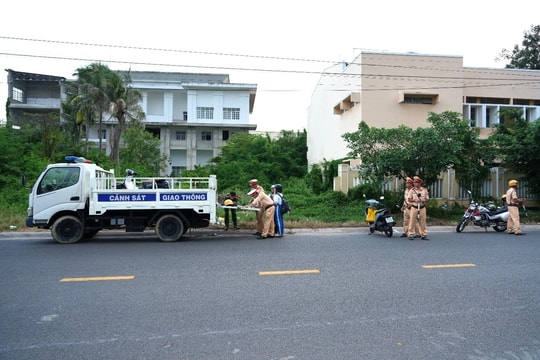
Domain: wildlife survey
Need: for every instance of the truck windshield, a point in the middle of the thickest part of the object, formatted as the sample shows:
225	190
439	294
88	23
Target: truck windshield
58	178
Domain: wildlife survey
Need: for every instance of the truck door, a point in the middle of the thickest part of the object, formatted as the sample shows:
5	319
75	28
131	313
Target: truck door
59	189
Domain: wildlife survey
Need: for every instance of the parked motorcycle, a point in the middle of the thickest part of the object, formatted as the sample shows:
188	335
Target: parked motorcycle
480	215
379	218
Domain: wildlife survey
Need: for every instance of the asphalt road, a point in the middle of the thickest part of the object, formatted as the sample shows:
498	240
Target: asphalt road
323	294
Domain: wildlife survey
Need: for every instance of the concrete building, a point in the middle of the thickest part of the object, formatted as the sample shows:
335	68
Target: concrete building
192	114
33	94
387	90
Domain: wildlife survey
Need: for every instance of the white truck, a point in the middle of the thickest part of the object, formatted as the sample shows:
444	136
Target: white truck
77	199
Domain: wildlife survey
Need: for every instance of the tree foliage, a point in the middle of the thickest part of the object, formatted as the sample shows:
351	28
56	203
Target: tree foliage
97	91
247	156
425	152
528	55
518	146
142	152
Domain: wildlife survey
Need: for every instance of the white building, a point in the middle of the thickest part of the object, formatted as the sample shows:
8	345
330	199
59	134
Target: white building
192	114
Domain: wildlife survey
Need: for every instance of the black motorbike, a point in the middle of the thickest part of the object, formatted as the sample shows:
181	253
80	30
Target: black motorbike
379	218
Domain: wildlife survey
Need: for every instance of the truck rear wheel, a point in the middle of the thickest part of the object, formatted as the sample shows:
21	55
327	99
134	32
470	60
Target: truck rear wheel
169	228
67	229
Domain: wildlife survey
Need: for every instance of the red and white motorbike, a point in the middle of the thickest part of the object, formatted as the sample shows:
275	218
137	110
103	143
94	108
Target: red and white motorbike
484	217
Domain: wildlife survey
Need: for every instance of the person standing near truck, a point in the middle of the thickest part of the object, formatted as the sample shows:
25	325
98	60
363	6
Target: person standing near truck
266	212
278	215
254	185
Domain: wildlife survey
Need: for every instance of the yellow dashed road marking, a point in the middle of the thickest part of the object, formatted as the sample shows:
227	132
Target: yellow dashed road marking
98	278
446	266
289	272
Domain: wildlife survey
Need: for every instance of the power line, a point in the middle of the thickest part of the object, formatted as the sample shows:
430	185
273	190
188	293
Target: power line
267	57
308	72
165	50
509	81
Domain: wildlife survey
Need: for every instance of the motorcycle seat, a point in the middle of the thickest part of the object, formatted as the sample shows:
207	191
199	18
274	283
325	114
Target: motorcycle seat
499	210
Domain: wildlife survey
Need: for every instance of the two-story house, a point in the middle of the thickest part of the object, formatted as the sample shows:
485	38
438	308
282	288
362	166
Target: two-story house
387	90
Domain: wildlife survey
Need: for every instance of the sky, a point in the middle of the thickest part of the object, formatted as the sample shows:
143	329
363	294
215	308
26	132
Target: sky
280	46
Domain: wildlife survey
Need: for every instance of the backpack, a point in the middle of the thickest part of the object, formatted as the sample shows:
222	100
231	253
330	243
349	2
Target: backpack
285	208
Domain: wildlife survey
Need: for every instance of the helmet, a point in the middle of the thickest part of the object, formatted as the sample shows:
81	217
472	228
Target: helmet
409	180
279	188
512	183
417	179
228	202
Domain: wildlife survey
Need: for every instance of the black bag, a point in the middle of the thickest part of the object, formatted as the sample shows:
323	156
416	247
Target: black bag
285	208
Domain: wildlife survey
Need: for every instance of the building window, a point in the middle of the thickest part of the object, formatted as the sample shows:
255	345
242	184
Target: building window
206	136
231	113
18	94
185	115
102	134
473	117
180	135
418	99
154	131
225	135
205	112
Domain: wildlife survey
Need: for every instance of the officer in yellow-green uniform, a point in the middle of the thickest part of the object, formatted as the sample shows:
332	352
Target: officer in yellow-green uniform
513	202
406	209
417	199
254	185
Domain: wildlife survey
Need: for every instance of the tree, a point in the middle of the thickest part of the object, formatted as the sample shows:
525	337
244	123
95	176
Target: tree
93	88
247	156
142	152
98	91
125	107
470	156
384	152
426	152
527	56
518	146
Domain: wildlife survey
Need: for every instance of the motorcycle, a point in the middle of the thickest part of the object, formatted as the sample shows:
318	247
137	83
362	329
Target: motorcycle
379	218
480	215
129	181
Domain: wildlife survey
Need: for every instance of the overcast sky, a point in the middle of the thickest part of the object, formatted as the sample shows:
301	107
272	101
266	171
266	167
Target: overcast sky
281	46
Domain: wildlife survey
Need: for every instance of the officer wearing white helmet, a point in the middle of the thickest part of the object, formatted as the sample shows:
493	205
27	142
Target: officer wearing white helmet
513	202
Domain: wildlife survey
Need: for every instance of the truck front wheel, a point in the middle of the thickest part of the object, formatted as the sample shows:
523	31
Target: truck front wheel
169	228
67	230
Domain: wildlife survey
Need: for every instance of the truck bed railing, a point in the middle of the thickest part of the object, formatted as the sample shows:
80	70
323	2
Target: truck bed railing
184	183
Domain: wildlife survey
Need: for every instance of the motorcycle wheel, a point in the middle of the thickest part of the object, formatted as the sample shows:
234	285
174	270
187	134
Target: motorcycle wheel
500	227
389	231
462	224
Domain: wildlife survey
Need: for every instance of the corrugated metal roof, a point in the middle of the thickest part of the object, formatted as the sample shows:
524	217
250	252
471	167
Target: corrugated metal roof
25	76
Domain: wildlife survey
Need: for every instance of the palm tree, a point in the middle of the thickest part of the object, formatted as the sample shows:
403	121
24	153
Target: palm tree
94	82
79	108
98	91
125	107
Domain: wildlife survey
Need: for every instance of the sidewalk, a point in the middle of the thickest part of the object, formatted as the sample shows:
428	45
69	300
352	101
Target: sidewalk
288	231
